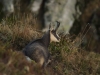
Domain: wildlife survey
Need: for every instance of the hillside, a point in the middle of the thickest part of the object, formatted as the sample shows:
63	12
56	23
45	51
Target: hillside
68	57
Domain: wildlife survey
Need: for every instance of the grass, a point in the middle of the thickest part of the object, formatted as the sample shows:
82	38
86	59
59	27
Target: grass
67	58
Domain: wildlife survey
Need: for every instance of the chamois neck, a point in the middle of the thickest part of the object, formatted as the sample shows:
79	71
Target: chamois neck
46	38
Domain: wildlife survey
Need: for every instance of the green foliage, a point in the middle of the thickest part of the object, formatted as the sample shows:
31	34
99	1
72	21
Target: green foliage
69	61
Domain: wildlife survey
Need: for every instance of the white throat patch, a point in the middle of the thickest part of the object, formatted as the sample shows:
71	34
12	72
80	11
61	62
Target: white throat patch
53	38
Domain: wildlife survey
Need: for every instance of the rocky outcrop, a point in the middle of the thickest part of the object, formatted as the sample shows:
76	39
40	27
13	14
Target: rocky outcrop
62	11
88	25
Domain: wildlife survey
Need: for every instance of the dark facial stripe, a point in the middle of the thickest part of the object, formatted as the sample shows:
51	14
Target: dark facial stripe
54	33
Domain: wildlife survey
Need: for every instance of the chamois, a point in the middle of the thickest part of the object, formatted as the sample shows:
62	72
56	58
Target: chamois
37	50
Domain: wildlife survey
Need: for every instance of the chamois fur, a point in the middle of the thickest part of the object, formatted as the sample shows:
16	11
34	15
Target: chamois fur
37	50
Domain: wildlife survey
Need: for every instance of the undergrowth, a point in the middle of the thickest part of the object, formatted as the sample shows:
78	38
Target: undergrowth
66	57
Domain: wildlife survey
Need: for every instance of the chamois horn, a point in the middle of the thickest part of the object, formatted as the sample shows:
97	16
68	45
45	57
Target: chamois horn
58	24
49	26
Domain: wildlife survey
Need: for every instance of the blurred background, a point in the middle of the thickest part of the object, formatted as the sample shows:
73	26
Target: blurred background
76	16
22	21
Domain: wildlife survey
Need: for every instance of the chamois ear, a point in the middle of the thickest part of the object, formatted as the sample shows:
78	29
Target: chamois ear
58	24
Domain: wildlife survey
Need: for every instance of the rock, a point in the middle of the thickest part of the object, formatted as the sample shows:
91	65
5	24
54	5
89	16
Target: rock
62	11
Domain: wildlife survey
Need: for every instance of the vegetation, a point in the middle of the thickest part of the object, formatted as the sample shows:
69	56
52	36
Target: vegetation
67	57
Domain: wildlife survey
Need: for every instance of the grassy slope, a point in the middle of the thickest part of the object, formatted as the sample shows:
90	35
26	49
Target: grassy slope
67	59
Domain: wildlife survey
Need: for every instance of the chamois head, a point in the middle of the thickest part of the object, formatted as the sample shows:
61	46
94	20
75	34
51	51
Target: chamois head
53	33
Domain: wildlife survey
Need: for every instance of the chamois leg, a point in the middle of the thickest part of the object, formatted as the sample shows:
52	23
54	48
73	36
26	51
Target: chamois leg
41	61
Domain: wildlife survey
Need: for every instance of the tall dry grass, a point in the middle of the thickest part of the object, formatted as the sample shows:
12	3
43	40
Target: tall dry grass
19	31
67	56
